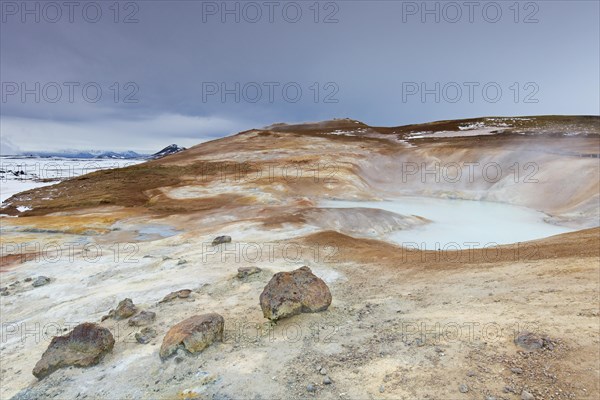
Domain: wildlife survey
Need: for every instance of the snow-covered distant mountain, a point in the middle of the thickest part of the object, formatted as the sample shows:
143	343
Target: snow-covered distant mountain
126	155
171	149
99	154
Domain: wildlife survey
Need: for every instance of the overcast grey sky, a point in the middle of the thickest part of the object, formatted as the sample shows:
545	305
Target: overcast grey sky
89	75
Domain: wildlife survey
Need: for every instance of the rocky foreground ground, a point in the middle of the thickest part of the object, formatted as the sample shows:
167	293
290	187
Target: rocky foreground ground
164	279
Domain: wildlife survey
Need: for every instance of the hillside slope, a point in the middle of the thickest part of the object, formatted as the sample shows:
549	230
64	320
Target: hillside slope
405	323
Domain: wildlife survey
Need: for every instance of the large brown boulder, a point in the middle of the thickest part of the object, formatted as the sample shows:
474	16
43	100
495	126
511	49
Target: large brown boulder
194	333
84	346
291	293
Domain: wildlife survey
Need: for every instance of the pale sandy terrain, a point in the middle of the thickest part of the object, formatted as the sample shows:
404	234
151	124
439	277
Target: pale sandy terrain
403	324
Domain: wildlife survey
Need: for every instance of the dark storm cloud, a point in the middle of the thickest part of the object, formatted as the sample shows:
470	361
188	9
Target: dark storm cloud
181	74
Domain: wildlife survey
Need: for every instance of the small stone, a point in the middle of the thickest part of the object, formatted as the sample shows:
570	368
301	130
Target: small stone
381	389
517	371
221	239
244	272
145	335
180	294
509	389
525	395
125	309
311	388
529	341
463	388
142	319
40	281
327	381
181	261
28	279
471	373
323	371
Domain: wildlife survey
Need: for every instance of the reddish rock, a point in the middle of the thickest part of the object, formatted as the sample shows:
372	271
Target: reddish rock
291	293
84	346
125	309
194	333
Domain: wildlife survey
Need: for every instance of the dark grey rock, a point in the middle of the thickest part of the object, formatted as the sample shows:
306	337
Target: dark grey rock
509	389
142	319
221	239
145	335
40	281
532	342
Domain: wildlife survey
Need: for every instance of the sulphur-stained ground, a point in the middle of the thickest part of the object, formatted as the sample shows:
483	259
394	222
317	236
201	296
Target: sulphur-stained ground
403	323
